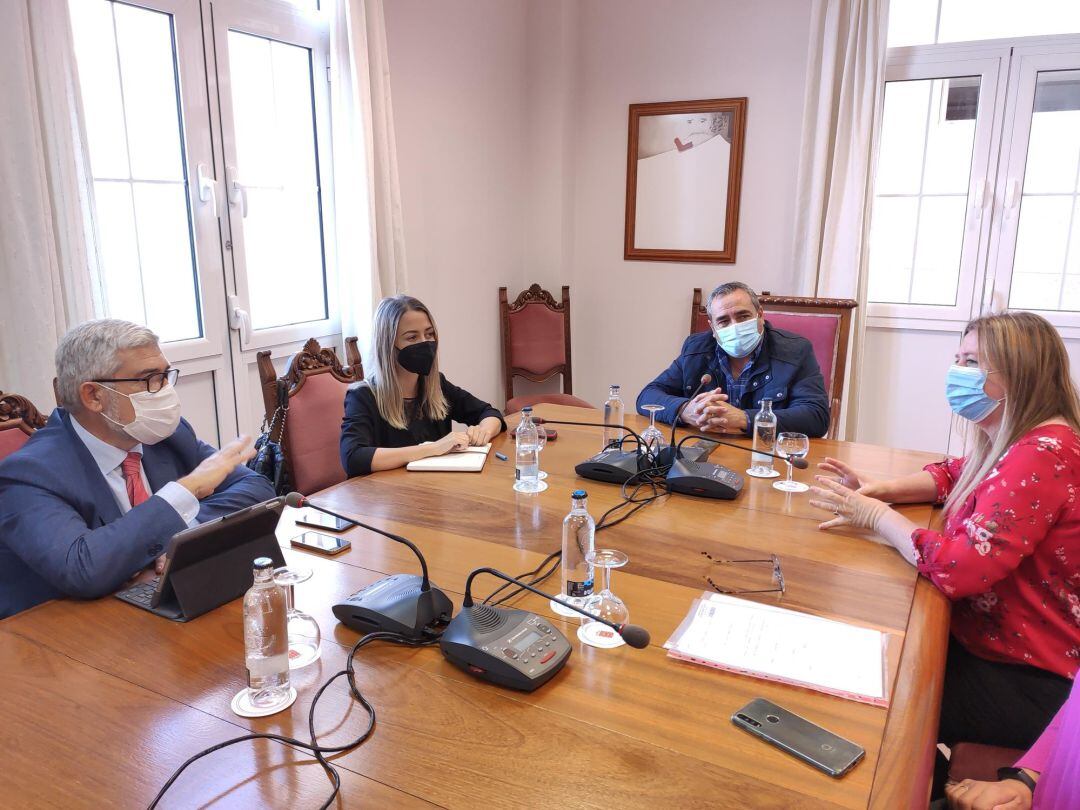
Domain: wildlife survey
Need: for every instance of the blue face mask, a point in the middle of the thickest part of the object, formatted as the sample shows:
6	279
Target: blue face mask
739	339
964	390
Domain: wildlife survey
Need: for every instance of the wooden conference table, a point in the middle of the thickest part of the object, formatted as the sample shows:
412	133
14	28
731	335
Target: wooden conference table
101	701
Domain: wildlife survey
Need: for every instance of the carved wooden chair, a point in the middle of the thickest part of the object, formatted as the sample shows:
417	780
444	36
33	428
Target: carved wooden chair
825	322
536	345
18	421
315	383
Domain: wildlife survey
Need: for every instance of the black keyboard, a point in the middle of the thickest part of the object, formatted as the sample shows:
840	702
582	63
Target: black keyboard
140	594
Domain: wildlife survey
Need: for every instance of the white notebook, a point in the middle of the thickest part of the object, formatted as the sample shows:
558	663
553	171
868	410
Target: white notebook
471	459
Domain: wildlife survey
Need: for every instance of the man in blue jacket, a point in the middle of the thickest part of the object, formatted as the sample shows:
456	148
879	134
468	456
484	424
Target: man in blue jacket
749	361
94	496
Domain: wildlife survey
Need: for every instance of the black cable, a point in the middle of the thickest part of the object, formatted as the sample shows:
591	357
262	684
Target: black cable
652	477
318	750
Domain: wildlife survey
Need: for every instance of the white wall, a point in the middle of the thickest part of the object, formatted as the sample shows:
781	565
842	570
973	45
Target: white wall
458	78
511	117
633	316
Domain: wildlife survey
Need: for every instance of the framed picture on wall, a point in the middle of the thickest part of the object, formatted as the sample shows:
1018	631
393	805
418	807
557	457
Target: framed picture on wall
683	180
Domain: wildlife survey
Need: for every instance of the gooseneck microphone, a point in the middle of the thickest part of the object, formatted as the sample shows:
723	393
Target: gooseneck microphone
634	635
706	378
400	603
298	501
514	648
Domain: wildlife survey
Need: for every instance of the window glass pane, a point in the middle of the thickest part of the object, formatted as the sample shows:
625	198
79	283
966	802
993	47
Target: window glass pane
1046	261
273	112
920	191
130	90
903	137
144	41
924	22
892	248
165	252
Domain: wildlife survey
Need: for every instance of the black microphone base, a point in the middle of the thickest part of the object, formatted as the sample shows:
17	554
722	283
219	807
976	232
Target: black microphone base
396	604
688	452
512	648
613	466
704	480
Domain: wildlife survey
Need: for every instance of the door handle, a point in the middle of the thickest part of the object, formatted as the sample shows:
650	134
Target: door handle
239	319
207	188
237	192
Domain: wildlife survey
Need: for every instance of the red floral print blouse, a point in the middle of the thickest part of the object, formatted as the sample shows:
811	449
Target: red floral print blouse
1009	557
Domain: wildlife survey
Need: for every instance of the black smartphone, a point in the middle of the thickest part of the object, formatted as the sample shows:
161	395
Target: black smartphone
798	736
321	520
322	543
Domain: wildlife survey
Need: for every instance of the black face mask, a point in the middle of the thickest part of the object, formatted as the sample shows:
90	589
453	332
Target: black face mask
418	357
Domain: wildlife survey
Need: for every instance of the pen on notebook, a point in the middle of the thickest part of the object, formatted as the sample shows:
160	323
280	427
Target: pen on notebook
500	456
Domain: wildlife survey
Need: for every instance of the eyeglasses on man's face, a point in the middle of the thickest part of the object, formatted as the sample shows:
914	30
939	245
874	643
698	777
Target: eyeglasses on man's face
153	382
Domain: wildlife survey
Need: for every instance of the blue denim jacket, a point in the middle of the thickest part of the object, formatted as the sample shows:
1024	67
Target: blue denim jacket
786	372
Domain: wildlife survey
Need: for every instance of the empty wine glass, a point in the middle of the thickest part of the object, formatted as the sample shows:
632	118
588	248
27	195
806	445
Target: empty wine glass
789	446
605	605
304	636
652	437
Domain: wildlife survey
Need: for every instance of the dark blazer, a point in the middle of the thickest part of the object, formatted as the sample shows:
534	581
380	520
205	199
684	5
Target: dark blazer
363	430
61	532
786	372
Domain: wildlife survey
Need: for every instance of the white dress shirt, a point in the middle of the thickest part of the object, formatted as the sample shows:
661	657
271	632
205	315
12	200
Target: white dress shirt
109	460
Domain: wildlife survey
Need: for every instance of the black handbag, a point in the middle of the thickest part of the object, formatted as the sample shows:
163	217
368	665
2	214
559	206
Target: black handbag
269	458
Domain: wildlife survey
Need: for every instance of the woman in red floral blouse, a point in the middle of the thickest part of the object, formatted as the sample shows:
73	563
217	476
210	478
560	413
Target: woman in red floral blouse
1009	554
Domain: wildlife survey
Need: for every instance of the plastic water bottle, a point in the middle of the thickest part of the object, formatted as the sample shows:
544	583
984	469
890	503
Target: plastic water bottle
764	438
527	463
613	415
266	638
578	537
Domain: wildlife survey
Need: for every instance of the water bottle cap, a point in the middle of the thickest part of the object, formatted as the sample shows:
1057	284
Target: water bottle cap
527	409
579	494
262	563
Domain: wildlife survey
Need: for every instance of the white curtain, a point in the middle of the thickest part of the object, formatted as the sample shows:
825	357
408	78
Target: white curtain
367	195
47	262
844	86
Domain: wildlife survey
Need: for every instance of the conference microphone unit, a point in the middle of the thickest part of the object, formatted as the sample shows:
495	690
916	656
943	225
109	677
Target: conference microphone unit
515	648
705	480
405	604
611	465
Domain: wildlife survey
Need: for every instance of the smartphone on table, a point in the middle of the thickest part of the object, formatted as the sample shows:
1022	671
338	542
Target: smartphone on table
799	737
321	543
321	520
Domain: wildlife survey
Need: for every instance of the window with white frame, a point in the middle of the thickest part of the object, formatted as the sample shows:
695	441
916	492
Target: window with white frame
208	131
976	200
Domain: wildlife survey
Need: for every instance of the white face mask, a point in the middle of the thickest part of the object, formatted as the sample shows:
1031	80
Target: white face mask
156	415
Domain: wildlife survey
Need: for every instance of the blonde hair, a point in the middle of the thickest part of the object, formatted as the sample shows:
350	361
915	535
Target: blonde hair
1030	361
383	379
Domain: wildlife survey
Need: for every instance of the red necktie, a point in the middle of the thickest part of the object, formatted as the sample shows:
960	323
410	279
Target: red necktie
132	470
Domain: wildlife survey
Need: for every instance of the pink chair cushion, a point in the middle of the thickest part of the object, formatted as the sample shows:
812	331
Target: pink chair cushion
537	339
823	332
11	439
313	433
517	403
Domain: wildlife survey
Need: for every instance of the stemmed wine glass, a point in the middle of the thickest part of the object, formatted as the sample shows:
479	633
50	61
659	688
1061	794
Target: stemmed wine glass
604	605
652	437
304	635
789	446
